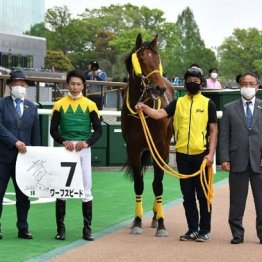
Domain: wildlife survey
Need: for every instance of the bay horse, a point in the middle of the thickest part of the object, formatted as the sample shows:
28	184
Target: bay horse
146	84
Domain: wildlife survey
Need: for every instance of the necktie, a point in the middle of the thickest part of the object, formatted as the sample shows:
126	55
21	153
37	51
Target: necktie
249	115
17	107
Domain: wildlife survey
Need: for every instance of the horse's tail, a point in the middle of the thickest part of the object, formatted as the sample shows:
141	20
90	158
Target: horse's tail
131	170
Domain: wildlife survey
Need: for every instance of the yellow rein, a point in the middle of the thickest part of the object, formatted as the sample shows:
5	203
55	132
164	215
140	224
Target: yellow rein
133	113
206	185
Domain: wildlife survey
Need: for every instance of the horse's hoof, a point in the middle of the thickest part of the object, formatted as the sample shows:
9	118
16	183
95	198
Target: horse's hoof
154	223
136	230
161	233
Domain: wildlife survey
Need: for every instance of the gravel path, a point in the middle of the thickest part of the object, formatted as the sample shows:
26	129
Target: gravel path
124	247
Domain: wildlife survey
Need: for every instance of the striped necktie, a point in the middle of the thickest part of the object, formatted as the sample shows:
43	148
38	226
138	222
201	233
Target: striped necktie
249	115
17	107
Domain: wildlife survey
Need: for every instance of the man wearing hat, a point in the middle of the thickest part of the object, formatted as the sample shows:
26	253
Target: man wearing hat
195	128
94	91
19	127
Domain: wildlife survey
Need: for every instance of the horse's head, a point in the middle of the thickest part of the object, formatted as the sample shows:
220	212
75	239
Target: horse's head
146	65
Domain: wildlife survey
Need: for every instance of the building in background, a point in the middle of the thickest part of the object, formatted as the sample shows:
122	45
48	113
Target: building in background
17	16
22	51
16	49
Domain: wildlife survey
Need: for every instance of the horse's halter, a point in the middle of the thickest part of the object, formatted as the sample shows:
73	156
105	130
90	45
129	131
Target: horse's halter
145	80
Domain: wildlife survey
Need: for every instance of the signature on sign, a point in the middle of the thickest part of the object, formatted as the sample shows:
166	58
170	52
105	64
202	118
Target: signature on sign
39	173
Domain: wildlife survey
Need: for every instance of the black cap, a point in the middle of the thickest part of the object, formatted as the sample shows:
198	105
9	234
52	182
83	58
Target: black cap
94	65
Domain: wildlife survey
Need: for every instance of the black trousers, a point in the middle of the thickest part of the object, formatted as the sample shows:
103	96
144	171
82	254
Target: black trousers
238	188
191	188
7	170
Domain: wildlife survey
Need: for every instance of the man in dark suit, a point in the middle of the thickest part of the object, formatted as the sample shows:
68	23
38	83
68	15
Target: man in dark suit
19	127
241	154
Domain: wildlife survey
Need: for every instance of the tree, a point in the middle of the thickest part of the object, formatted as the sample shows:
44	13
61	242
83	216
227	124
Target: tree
241	52
38	29
58	60
107	34
191	48
58	19
168	44
112	38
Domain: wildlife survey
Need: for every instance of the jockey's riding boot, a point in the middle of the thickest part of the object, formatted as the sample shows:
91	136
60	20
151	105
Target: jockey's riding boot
87	214
60	216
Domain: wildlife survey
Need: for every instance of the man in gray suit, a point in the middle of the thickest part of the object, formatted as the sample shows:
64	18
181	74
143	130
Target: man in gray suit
241	154
19	127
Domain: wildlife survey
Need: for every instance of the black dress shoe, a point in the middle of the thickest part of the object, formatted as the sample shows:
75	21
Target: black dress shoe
60	234
87	235
24	234
237	240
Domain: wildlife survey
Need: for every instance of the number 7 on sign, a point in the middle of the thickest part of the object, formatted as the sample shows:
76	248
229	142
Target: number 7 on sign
72	166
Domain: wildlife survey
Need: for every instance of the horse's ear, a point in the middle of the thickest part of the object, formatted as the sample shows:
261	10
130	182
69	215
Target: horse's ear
154	41
139	41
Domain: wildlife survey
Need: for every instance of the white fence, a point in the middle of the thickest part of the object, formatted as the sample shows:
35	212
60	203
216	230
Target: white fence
102	113
48	112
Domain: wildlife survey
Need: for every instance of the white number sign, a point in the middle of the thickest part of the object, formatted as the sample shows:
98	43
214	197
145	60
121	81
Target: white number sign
49	172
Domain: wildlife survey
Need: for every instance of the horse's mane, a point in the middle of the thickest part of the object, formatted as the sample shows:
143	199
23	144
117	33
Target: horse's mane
128	59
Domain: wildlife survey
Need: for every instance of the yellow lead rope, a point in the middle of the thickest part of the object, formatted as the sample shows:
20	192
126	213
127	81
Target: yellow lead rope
206	185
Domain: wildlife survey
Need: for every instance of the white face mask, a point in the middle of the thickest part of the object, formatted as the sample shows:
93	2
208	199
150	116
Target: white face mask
74	97
18	91
214	75
248	92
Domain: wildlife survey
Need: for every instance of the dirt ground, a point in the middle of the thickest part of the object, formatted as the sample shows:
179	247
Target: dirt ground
122	246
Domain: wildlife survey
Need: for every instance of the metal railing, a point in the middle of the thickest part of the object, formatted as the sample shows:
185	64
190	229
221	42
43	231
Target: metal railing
59	87
102	113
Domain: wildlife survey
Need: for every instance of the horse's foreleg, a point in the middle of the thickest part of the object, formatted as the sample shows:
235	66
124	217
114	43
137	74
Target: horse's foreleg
158	219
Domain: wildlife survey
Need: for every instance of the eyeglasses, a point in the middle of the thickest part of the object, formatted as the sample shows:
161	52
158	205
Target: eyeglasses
195	71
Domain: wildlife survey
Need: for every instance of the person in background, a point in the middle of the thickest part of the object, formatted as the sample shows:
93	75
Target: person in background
95	92
241	154
73	117
212	81
238	78
195	126
88	70
19	128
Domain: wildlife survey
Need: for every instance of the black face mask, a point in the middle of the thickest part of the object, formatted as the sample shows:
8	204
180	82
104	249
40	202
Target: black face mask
193	88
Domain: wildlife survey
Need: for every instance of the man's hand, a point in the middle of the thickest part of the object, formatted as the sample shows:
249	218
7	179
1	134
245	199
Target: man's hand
139	106
69	145
226	166
210	159
81	145
20	146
